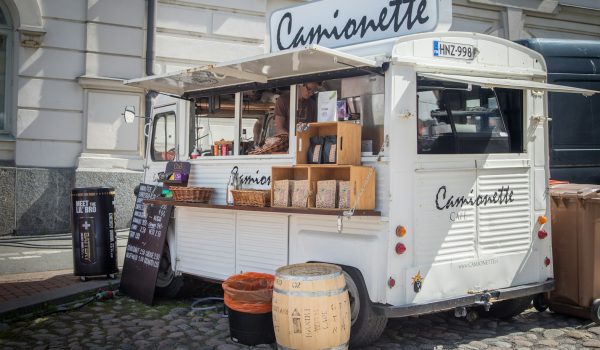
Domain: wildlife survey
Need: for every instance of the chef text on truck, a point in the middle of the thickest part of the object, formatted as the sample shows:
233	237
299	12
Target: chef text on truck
412	157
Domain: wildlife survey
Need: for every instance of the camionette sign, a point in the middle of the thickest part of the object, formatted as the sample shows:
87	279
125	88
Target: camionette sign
335	23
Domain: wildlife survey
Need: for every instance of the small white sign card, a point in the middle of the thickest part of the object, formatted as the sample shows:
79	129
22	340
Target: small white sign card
327	104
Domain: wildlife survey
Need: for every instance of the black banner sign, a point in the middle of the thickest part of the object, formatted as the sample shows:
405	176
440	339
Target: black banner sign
147	236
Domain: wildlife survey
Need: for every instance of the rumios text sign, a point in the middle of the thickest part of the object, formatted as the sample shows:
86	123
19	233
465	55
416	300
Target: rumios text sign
145	245
336	23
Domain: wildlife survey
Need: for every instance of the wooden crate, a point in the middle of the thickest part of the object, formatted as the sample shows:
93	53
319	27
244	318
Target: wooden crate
357	175
348	141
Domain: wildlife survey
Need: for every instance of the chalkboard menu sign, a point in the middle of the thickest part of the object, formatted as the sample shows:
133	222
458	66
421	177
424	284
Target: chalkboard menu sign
147	236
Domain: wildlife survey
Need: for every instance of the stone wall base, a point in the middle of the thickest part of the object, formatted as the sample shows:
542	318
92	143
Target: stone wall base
37	201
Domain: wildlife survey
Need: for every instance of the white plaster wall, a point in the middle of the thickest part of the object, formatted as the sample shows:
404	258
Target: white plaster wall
57	118
106	129
49	111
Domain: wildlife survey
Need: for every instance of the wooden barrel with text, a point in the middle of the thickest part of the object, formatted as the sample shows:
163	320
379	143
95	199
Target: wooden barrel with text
311	309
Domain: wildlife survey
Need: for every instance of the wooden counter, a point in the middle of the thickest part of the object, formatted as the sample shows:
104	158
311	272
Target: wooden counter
311	211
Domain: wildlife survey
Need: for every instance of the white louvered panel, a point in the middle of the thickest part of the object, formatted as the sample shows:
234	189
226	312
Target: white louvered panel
206	242
215	173
449	234
382	186
505	228
262	242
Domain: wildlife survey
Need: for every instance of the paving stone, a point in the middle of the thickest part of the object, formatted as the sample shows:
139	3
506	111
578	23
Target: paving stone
592	343
503	345
531	337
175	335
548	342
578	335
227	347
522	343
595	330
567	347
553	333
478	344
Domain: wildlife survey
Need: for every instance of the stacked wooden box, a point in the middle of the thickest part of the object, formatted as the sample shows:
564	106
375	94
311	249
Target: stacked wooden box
326	186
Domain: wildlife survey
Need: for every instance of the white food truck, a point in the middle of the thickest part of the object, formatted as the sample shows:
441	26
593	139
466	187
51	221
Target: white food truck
454	125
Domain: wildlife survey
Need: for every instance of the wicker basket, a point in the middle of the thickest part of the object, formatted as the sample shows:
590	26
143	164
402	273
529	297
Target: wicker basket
252	198
277	143
192	194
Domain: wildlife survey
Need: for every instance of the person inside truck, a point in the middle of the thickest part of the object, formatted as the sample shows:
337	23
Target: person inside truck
306	107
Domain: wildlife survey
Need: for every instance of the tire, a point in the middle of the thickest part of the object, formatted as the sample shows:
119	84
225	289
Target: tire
168	285
510	308
367	326
595	311
540	302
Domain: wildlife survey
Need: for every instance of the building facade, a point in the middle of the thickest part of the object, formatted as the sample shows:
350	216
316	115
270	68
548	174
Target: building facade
63	64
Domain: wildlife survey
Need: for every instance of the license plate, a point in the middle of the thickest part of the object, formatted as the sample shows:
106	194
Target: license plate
462	51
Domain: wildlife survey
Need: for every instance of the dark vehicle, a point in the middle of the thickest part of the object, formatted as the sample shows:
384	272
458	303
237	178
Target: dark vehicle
575	123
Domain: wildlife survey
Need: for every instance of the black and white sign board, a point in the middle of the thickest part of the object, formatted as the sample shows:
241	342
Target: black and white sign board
147	236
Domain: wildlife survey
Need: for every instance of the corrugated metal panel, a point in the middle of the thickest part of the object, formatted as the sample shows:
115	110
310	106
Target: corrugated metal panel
262	242
505	228
206	242
444	235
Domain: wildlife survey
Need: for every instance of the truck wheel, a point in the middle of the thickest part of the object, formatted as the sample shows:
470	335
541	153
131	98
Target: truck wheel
540	302
509	308
367	326
167	284
595	311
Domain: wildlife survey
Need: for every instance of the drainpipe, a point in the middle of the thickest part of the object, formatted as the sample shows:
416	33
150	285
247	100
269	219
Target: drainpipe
150	29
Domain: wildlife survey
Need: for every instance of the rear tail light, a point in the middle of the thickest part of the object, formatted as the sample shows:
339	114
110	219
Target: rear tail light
400	248
542	234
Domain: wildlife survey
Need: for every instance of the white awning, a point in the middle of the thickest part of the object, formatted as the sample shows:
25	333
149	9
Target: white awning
312	59
508	83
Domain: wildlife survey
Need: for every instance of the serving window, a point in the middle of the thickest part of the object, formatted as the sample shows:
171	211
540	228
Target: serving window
265	120
457	118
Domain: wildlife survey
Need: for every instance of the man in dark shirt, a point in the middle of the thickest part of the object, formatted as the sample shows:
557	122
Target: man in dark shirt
306	108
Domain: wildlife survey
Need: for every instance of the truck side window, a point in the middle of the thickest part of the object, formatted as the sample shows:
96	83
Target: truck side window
456	118
163	137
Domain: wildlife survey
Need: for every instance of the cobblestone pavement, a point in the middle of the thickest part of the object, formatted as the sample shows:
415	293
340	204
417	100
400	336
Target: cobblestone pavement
123	323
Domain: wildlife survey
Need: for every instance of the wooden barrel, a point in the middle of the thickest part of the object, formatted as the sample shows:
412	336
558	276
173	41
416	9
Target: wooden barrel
311	309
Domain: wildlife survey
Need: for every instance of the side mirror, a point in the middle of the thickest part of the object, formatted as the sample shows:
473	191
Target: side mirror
129	114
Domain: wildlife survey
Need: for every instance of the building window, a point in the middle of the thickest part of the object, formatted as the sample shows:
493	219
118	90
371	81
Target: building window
5	37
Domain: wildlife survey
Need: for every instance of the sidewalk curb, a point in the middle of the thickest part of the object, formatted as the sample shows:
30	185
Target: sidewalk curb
56	296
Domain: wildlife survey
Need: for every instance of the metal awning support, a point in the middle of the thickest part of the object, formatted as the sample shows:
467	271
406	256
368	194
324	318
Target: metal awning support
508	83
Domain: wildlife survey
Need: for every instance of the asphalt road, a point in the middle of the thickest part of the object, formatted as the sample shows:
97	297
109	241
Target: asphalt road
44	253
